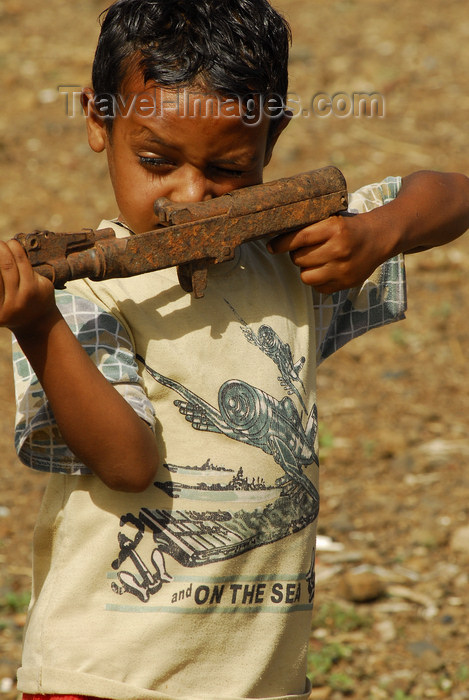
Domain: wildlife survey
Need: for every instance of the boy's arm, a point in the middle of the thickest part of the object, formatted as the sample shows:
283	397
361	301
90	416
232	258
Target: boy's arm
431	209
96	422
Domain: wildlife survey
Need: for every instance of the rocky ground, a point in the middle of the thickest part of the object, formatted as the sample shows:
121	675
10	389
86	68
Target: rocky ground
391	618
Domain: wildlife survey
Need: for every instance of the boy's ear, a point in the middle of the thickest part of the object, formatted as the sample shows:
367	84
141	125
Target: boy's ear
95	125
276	129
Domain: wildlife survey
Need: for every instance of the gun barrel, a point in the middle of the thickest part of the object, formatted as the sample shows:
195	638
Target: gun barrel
256	198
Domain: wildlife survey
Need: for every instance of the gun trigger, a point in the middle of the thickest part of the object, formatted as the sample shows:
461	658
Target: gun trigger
199	282
192	277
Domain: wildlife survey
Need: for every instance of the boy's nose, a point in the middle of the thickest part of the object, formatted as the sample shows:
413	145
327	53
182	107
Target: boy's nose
192	186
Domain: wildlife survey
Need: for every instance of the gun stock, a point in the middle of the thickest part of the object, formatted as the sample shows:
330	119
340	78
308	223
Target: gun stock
190	236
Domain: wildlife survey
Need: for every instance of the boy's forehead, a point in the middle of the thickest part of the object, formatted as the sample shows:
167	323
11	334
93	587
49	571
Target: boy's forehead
186	100
160	113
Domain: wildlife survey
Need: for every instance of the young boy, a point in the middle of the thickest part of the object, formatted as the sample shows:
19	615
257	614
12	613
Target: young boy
174	551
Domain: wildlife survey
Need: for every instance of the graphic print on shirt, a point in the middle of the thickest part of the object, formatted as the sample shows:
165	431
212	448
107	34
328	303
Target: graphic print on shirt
272	345
249	415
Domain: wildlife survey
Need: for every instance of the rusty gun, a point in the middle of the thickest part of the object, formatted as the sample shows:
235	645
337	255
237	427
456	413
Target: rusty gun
191	236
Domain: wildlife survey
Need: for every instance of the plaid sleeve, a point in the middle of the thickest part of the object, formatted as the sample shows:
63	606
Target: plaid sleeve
347	314
37	438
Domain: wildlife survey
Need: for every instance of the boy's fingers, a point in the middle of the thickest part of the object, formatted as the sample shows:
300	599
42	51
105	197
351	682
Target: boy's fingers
288	242
313	257
9	273
13	251
23	265
327	279
309	236
16	273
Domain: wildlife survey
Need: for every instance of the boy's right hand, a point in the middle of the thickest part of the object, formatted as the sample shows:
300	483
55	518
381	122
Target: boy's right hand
26	298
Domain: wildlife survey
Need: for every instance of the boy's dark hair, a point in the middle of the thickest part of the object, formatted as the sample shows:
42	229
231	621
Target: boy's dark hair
229	46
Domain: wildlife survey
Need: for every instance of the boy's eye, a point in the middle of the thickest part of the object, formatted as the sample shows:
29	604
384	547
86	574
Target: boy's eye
152	162
228	172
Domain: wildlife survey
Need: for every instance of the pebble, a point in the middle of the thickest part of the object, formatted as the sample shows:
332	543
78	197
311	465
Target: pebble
430	609
444	448
459	541
429	537
447	620
342	523
421	647
431	662
428	656
361	587
342	557
320	694
397	680
455	602
47	96
6	685
20	619
324	543
320	633
386	630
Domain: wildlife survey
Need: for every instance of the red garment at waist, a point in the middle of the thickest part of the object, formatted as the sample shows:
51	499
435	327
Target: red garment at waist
26	696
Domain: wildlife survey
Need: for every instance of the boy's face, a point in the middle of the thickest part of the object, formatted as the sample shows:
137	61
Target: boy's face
179	150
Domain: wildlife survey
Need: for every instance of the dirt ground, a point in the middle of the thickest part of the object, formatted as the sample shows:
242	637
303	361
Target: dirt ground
394	405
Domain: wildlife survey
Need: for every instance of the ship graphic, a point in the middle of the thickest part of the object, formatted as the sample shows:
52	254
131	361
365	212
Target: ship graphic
239	488
194	538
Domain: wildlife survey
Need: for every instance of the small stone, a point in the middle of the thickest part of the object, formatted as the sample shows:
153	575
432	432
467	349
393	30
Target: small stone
361	587
386	630
6	685
417	648
397	680
320	633
20	619
447	620
342	523
428	655
320	694
460	540
47	96
455	601
446	684
427	537
431	662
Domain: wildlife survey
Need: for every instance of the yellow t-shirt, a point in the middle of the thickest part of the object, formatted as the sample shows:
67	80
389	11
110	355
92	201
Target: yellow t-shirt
202	586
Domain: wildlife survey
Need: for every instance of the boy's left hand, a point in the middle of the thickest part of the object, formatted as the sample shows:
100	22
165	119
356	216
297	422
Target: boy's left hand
341	252
336	253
